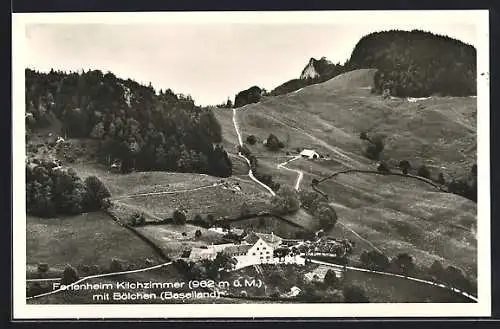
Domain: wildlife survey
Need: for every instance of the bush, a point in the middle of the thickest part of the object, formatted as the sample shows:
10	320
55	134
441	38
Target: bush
440	179
309	200
424	172
363	136
355	294
436	269
137	219
371	152
197	234
286	201
331	279
465	188
115	265
69	275
273	143
179	217
473	170
251	140
42	268
456	278
35	288
243	149
404	165
210	220
374	260
244	209
383	168
326	215
402	264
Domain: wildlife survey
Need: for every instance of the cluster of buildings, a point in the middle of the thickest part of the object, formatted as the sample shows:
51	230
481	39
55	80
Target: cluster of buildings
262	248
256	248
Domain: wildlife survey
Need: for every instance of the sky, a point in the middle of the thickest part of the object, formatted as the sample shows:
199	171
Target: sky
211	62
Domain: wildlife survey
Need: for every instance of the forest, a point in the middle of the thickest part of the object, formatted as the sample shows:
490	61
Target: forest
54	191
416	63
135	125
248	96
410	64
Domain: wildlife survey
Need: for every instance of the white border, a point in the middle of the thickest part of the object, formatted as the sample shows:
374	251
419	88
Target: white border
21	310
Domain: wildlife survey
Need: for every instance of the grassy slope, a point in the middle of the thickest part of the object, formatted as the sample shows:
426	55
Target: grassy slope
379	289
395	213
212	200
439	129
87	239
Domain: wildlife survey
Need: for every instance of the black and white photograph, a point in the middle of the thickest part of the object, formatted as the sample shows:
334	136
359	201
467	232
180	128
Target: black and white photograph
243	164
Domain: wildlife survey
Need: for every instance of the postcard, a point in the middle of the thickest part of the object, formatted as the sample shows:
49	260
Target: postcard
251	164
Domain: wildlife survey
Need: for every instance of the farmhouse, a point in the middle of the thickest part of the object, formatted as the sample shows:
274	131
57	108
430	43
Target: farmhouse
257	248
310	154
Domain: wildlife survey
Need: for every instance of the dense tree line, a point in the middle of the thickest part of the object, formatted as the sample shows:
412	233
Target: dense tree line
142	129
417	63
403	263
52	191
248	96
465	186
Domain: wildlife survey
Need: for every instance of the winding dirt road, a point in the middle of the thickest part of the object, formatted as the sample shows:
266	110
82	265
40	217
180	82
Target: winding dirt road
250	173
343	159
300	173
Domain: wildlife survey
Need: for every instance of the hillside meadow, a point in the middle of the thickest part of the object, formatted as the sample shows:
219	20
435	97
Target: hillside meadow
86	240
395	214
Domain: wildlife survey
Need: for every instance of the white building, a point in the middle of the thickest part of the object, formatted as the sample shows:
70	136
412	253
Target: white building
310	154
257	248
294	292
222	230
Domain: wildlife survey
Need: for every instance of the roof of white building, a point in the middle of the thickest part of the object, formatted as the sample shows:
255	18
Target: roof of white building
237	249
212	250
308	153
271	239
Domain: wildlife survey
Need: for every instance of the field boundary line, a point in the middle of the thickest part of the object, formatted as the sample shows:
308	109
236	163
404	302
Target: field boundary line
122	197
